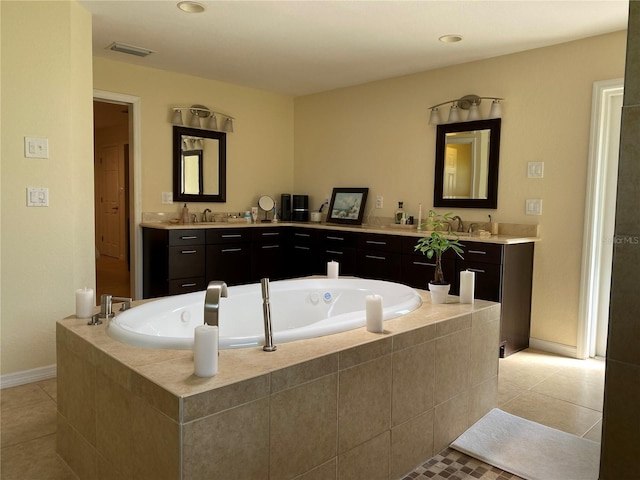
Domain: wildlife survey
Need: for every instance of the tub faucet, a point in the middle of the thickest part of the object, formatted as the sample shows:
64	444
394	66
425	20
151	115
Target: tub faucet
266	312
106	308
215	290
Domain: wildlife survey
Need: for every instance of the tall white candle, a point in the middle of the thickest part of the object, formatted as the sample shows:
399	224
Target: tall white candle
467	285
205	351
333	269
85	301
375	322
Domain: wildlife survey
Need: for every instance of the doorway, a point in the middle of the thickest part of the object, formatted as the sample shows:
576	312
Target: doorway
112	198
599	218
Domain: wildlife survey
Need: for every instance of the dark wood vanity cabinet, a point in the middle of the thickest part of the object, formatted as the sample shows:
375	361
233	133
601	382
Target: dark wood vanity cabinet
181	261
173	261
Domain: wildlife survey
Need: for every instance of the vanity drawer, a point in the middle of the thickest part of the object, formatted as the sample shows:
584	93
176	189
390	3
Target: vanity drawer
187	237
271	235
378	265
228	235
482	252
186	285
338	239
303	236
186	261
487	281
372	241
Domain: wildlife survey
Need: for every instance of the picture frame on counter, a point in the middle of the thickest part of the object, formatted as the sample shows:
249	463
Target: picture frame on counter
347	205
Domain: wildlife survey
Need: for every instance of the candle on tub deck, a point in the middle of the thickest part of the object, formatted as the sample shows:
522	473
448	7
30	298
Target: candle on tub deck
375	322
85	302
467	284
333	269
205	350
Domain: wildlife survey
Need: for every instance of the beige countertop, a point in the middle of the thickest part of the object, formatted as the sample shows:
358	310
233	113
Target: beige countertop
513	233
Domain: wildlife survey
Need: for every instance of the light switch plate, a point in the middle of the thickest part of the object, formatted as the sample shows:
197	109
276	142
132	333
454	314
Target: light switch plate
35	147
535	169
533	206
167	197
37	197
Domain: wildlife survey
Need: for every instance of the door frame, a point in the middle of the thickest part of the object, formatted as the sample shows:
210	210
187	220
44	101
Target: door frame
135	182
603	92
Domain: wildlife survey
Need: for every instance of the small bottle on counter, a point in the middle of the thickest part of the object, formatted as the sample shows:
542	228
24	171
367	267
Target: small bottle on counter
185	214
401	215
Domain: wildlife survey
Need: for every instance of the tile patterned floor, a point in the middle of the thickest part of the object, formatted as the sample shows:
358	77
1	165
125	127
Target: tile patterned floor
558	392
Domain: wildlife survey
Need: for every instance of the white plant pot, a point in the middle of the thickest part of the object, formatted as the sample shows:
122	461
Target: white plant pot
439	293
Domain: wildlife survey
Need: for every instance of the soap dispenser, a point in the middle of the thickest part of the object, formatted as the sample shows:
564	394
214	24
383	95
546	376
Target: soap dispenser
400	214
185	214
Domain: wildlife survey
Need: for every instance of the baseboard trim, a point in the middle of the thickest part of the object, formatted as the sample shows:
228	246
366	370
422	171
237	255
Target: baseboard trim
553	347
28	376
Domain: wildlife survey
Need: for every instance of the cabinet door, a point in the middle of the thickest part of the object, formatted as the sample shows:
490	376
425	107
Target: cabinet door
418	271
230	263
487	279
302	253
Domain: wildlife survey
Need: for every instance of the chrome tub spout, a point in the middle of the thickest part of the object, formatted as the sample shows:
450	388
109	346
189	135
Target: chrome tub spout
215	291
266	312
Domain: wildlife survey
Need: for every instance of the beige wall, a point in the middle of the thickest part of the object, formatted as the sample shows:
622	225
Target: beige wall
259	152
47	253
377	135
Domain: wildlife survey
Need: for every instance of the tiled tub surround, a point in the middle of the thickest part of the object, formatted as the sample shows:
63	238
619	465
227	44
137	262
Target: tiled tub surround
344	406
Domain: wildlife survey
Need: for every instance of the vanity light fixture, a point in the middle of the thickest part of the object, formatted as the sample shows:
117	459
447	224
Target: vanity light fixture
468	102
202	117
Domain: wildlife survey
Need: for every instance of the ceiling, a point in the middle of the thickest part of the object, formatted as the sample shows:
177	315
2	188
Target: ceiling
303	47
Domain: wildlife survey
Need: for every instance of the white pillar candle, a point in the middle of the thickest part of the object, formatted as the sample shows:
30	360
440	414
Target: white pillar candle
85	301
205	351
467	285
375	322
333	269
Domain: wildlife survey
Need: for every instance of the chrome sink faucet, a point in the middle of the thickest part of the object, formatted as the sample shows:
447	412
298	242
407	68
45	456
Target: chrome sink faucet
106	308
460	226
215	291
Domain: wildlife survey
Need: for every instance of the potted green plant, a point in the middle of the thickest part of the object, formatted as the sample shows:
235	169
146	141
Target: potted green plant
433	246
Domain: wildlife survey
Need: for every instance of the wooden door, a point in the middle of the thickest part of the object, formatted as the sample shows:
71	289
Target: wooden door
110	210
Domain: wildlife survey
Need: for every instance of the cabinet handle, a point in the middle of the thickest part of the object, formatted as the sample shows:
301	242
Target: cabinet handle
302	234
479	252
374	242
425	264
188	237
187	252
184	285
335	238
270	246
269	234
374	257
301	248
231	235
227	250
477	270
335	252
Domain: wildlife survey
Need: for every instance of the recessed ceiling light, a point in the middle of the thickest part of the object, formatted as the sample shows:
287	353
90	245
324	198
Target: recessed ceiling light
451	38
191	7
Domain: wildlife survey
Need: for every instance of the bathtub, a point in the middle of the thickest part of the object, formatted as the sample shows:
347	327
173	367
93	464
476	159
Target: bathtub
300	309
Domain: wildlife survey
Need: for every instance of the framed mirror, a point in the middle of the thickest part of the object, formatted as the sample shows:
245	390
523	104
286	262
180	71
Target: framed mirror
199	165
467	158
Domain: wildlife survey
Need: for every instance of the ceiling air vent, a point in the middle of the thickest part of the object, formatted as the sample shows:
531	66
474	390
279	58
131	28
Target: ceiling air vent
129	49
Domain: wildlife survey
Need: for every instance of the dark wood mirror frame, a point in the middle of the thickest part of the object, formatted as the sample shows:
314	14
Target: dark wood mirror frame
493	125
221	196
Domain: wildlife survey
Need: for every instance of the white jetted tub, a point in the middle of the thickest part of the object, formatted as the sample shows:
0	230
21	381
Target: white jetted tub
300	309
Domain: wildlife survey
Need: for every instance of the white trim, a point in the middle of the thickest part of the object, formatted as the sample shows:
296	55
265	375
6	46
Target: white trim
28	376
553	347
136	141
594	205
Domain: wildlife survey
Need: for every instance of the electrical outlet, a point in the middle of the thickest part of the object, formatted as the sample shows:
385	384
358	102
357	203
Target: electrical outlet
379	201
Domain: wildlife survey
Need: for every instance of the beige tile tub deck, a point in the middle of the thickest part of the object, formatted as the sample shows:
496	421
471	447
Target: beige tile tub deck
313	409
